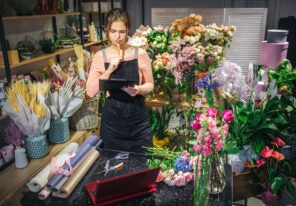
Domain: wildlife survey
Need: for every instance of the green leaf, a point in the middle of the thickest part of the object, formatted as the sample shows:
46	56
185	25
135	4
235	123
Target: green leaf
277	184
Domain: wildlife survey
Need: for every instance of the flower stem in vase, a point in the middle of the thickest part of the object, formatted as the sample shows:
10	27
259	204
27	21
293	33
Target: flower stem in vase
217	180
201	181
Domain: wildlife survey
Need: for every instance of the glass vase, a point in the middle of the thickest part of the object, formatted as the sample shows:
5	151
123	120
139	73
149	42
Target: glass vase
217	177
201	182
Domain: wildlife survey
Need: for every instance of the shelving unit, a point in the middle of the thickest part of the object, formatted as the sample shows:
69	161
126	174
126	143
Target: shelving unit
7	66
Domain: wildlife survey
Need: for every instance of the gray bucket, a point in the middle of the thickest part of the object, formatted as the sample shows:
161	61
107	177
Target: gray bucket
277	36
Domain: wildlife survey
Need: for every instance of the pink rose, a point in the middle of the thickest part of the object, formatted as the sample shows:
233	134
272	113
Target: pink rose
195	125
212	112
188	176
228	116
180	181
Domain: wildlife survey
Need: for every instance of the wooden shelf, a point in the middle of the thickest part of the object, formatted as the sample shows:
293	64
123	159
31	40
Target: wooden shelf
8	18
41	57
93	43
47	56
11	178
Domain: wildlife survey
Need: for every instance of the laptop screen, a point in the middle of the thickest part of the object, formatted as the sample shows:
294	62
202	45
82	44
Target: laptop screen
128	184
123	187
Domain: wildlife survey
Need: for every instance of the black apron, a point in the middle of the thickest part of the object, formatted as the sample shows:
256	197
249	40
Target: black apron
125	124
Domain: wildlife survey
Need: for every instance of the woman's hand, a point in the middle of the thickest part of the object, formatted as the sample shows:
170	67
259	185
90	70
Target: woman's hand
116	60
132	90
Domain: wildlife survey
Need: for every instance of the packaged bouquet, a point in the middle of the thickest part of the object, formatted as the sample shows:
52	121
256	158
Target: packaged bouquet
63	103
26	107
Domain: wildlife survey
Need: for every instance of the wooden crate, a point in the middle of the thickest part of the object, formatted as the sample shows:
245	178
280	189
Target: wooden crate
241	188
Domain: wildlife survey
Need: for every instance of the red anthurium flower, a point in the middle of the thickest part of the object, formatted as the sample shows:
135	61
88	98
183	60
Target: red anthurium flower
212	112
195	125
260	162
266	152
278	142
228	116
278	156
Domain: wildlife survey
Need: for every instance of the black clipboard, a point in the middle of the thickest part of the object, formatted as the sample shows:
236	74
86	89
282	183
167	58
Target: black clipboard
115	84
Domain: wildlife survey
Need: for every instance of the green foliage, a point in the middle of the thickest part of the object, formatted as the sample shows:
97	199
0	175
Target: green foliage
255	125
163	157
159	120
284	76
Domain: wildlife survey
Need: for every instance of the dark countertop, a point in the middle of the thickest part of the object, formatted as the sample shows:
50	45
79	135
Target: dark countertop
163	196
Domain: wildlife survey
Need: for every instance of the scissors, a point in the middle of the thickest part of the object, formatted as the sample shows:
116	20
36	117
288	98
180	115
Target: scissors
109	168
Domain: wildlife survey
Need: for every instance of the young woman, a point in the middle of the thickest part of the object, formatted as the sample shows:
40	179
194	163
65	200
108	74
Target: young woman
125	123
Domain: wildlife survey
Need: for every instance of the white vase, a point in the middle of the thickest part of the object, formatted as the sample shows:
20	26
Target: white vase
20	157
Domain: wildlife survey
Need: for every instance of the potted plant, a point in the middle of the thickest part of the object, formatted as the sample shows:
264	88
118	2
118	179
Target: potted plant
272	172
159	120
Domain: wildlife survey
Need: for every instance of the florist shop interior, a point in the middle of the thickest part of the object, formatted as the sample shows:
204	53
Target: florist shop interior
222	112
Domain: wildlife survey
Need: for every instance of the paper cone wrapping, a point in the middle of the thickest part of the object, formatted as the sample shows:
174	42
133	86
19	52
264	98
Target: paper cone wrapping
41	179
79	173
273	53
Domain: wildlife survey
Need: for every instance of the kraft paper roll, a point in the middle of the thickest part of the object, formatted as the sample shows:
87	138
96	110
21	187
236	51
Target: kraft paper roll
44	193
41	179
73	181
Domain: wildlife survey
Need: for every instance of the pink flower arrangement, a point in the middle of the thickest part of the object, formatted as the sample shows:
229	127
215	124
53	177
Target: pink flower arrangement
211	131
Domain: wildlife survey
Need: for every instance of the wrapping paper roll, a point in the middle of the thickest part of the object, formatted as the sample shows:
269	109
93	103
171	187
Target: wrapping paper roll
65	178
41	179
44	193
273	53
79	173
91	140
80	154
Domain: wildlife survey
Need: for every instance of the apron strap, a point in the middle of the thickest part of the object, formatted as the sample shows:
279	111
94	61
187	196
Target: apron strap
136	52
104	55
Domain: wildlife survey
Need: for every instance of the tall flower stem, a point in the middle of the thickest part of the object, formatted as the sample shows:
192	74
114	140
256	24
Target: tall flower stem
217	180
201	181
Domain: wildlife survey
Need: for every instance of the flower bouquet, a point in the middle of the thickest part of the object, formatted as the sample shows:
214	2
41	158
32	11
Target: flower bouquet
26	107
176	167
63	103
211	131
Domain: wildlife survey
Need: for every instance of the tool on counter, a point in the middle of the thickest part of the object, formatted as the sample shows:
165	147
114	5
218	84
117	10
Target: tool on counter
109	168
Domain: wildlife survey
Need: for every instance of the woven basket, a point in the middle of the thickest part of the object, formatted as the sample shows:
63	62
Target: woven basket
86	117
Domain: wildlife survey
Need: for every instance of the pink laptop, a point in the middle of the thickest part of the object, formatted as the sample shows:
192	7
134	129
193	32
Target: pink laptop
122	187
